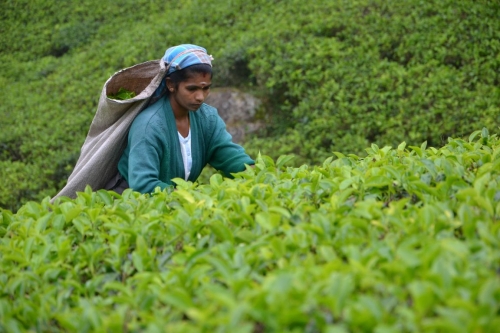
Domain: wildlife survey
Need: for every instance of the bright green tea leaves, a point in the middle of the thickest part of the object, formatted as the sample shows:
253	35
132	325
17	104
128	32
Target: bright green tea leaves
399	240
122	94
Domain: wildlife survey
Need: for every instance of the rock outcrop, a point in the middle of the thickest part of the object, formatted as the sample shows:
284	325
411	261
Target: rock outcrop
238	109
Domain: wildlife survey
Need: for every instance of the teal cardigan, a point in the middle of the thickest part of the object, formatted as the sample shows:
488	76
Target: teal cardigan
153	155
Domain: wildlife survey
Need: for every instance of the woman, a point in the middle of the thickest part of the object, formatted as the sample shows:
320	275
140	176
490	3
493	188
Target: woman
178	134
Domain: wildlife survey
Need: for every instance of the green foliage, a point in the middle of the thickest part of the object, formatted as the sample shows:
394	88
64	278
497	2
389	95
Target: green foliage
333	75
378	72
404	239
122	94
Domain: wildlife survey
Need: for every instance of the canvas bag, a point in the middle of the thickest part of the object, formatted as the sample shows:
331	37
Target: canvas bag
107	136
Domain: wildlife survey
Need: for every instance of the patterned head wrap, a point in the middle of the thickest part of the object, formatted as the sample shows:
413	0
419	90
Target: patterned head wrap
185	55
179	57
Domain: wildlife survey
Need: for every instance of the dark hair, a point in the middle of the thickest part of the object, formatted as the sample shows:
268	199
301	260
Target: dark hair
188	72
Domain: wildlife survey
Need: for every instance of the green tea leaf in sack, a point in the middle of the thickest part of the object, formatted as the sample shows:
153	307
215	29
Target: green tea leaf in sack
122	94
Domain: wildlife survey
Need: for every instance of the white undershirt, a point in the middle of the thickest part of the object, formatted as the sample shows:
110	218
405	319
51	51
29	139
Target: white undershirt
186	153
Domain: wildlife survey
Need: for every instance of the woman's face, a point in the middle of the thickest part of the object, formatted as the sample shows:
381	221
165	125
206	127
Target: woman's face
191	93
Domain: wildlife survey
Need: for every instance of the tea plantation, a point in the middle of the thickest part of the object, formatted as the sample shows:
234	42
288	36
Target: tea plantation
333	75
374	205
406	239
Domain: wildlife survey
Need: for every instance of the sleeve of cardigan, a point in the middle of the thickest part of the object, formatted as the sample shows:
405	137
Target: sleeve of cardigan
224	154
144	163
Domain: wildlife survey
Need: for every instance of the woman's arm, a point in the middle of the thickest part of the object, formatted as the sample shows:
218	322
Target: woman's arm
144	167
225	155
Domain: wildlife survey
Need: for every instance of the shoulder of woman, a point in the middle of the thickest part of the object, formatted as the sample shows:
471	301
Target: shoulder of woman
150	116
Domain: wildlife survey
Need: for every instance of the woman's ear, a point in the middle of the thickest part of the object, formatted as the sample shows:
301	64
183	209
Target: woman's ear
170	85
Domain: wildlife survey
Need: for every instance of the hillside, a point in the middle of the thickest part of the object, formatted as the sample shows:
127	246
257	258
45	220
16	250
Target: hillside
333	75
373	206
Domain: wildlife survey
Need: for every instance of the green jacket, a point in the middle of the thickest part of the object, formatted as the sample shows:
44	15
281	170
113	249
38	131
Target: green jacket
153	155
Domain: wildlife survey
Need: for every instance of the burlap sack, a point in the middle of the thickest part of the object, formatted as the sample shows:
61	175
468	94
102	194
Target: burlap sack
107	136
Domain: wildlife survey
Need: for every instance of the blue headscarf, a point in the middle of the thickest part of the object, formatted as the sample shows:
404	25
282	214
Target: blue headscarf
185	55
182	56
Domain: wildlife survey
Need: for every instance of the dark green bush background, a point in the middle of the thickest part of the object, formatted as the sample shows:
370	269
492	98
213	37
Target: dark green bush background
333	75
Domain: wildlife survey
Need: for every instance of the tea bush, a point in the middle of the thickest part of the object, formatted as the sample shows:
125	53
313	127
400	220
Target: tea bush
333	75
379	72
405	239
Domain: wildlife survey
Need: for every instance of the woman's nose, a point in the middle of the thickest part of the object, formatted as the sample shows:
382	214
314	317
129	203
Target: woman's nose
200	96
